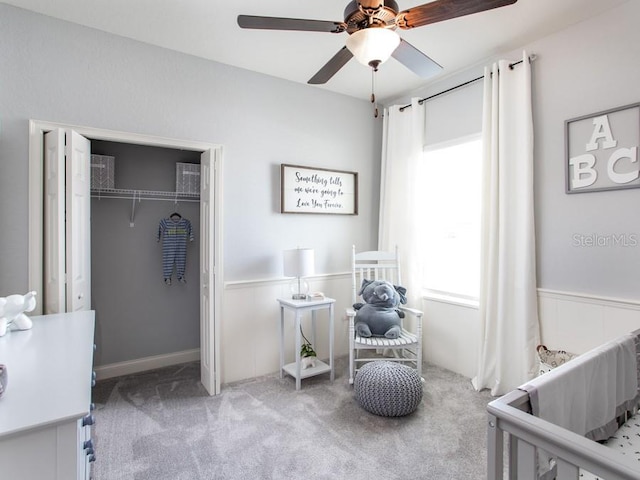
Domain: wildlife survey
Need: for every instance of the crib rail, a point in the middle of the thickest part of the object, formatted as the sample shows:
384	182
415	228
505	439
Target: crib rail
527	433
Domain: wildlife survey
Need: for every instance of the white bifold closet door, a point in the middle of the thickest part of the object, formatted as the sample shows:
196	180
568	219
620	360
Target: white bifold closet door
67	242
207	272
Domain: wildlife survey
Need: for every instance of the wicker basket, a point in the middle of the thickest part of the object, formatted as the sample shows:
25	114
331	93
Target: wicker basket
550	359
102	172
188	178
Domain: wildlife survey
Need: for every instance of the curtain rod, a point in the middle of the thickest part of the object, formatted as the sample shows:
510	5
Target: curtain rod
468	82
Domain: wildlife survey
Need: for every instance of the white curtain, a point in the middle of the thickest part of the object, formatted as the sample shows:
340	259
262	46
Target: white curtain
509	328
402	145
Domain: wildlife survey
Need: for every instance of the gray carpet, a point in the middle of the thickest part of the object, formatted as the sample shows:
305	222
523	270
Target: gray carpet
162	425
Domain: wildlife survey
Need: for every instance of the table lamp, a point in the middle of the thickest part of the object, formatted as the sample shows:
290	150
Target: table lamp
298	263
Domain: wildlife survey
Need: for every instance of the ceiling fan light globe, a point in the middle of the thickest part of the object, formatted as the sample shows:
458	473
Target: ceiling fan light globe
373	44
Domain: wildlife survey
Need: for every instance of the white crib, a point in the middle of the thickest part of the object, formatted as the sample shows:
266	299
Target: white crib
538	449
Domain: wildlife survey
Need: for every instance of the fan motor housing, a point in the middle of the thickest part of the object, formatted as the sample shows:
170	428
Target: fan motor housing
358	18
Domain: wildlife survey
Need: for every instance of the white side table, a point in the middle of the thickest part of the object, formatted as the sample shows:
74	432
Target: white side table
299	307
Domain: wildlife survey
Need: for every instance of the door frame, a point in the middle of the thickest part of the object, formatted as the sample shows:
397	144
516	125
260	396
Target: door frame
37	129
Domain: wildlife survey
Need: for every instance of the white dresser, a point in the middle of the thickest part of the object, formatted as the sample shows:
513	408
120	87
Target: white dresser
45	418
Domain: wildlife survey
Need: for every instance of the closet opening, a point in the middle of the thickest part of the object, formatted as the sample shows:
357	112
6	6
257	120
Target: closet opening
145	248
146	317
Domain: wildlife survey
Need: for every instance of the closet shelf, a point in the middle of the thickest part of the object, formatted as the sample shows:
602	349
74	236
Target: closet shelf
125	193
139	195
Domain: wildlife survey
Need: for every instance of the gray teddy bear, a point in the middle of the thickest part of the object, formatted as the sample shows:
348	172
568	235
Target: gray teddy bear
380	315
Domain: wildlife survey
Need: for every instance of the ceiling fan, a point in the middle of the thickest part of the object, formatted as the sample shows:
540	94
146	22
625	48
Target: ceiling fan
371	25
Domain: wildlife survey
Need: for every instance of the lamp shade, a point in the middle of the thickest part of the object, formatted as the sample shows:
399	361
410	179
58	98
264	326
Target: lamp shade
298	262
374	45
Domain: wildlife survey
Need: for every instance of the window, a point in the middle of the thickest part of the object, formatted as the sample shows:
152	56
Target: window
450	179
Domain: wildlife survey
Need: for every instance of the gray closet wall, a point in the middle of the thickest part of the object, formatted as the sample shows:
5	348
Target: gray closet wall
137	315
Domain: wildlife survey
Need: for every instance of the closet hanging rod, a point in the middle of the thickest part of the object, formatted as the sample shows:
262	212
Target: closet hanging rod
128	194
122	197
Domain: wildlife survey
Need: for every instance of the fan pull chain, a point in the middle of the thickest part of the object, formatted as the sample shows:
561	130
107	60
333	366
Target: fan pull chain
373	92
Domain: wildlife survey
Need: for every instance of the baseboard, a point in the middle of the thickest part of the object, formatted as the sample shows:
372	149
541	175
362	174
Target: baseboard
146	363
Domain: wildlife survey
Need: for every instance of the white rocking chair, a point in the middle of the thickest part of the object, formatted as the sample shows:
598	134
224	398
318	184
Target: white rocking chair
407	348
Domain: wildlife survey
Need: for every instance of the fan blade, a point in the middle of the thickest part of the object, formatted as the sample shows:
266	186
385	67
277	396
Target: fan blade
415	60
276	23
441	10
338	61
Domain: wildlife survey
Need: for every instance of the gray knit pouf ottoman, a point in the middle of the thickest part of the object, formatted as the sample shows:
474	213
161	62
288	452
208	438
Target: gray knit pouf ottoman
388	389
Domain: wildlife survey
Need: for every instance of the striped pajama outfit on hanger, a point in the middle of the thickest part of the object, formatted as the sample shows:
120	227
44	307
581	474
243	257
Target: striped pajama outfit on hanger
174	234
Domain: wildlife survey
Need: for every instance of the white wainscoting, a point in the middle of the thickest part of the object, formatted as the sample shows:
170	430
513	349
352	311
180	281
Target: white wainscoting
575	322
578	322
250	342
451	336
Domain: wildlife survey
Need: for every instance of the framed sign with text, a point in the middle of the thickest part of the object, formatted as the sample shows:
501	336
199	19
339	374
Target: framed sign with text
602	150
318	190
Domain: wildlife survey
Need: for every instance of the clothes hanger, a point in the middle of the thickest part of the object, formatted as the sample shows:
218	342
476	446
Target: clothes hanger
175	213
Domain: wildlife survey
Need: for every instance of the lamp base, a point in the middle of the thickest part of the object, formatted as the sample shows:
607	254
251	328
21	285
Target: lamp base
299	289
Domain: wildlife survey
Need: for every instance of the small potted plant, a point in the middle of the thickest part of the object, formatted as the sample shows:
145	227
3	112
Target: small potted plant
307	353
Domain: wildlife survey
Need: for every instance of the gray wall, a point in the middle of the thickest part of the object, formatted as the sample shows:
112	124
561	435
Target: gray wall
137	315
588	68
57	71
